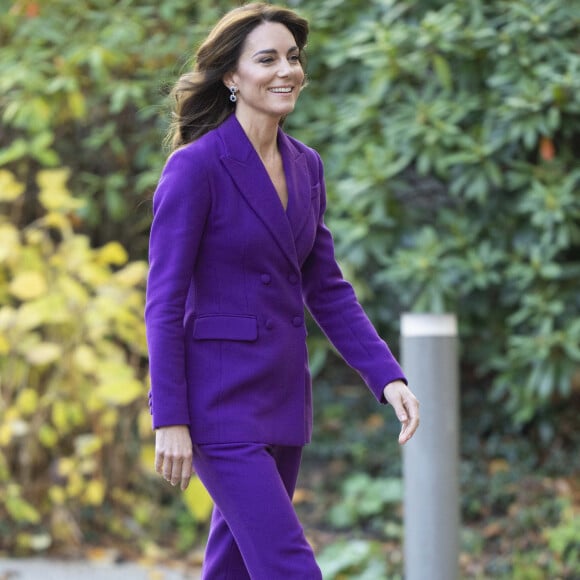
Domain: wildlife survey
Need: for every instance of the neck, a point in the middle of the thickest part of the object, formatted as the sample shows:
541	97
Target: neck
262	133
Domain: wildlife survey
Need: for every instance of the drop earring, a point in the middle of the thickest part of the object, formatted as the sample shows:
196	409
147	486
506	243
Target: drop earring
233	91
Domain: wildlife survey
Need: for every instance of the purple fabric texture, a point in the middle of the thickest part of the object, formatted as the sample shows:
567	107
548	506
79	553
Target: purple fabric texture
255	532
230	274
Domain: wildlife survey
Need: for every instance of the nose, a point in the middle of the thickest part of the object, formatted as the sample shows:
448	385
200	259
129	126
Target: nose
284	68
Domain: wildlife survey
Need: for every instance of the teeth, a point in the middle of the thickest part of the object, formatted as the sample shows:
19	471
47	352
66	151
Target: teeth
286	90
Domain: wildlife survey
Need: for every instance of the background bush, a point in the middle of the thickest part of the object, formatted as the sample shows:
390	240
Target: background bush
451	137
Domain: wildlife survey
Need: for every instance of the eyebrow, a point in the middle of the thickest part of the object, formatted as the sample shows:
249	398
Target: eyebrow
274	51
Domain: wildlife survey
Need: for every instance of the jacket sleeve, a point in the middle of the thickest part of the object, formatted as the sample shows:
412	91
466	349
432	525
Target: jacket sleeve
334	306
180	207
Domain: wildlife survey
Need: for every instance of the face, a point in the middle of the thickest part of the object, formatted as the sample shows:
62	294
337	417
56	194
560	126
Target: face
269	75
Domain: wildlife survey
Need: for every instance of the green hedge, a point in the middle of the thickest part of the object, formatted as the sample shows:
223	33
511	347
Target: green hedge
451	138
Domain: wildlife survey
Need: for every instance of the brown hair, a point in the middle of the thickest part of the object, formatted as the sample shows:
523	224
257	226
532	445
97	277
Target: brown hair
200	97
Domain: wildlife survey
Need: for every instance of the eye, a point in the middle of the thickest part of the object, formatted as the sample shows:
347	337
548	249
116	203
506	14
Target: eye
295	58
267	60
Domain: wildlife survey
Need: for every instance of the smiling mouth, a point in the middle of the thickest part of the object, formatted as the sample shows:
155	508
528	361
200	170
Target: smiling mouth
281	90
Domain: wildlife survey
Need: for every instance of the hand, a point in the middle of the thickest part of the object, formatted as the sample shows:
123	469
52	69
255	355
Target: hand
173	454
406	406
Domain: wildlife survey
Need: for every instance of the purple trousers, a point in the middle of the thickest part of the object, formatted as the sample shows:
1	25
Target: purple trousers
255	533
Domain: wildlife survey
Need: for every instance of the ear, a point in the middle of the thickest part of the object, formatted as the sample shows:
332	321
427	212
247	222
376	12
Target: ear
229	79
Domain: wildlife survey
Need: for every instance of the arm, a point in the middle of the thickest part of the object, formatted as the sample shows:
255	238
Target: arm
180	208
333	304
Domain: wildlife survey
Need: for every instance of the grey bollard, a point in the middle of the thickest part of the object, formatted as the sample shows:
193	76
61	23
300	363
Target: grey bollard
429	354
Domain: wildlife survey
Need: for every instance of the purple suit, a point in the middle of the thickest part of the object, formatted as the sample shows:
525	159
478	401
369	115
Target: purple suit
230	274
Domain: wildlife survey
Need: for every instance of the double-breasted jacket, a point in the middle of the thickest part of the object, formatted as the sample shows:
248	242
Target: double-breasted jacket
230	274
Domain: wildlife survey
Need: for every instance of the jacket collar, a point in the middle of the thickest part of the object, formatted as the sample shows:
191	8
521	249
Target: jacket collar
252	180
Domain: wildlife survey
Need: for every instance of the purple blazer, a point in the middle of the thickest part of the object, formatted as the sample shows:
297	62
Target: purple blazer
230	274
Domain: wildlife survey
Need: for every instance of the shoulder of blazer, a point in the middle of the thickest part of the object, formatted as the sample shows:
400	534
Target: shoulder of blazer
202	149
313	158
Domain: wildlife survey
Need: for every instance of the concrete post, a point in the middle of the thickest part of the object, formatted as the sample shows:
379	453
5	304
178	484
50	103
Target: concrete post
429	355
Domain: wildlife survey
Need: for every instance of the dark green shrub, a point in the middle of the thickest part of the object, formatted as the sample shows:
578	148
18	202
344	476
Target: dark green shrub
451	139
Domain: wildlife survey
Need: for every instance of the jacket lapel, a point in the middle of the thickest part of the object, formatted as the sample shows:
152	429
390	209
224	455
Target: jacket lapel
253	182
297	182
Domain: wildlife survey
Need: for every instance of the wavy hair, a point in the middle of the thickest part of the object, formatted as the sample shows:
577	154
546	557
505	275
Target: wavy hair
200	98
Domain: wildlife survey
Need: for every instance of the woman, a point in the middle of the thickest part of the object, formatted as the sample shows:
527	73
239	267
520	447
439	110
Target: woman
238	246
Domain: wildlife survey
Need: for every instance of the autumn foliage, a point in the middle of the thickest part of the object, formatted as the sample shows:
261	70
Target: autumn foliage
75	434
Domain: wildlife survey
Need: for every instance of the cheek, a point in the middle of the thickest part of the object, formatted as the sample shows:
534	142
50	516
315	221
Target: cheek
300	75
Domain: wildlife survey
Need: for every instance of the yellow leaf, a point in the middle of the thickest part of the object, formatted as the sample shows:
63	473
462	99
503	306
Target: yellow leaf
28	285
36	542
11	414
120	391
53	179
109	419
75	484
59	201
34	237
198	500
75	292
57	495
112	253
60	417
43	353
144	423
147	458
47	436
76	104
76	413
5	434
48	309
88	466
9	243
94	492
132	274
4	345
10	189
85	359
21	511
29	316
87	444
54	194
93	274
7	317
65	467
57	221
27	401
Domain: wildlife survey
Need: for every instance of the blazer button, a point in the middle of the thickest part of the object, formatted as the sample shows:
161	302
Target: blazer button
266	278
297	321
269	324
293	279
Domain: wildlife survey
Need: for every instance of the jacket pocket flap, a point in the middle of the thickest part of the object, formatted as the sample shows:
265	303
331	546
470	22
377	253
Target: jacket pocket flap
225	327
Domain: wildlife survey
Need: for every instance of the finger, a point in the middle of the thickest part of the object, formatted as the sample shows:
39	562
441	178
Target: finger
159	462
167	467
403	435
410	426
186	472
399	408
175	477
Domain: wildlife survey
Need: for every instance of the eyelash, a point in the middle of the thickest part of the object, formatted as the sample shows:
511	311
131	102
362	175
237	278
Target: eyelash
268	60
